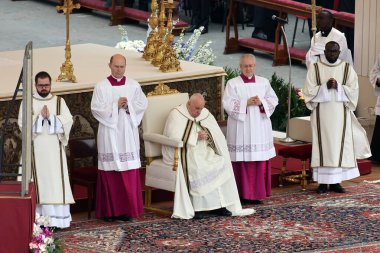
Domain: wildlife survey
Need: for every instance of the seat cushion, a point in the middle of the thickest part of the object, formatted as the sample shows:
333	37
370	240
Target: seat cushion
365	166
95	4
161	176
85	173
136	14
181	24
350	17
302	152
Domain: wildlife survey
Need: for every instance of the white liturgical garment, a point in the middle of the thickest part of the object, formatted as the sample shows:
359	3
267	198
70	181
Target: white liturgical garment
249	129
317	47
118	136
204	180
338	138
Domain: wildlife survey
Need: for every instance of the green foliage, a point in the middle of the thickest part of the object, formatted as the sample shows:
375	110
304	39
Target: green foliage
297	107
59	248
280	87
230	73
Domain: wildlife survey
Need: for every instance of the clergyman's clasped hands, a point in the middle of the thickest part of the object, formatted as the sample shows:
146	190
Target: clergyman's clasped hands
254	101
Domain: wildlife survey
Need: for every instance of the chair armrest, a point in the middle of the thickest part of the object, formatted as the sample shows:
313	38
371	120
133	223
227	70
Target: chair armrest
163	140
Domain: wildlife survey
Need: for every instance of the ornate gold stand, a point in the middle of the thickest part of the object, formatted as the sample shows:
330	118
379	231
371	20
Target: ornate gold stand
67	69
162	89
159	47
302	178
159	39
170	63
153	21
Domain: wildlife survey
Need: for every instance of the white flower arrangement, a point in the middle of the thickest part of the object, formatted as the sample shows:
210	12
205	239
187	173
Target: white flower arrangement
188	51
126	44
135	45
43	220
43	240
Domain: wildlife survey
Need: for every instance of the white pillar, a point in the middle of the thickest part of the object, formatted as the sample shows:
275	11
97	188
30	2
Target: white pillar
367	47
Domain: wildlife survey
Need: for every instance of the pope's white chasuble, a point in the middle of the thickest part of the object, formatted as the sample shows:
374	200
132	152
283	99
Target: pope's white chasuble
205	179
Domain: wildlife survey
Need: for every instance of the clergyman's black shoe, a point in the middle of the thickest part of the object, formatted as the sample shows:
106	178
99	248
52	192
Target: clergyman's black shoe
260	35
222	212
109	219
123	218
190	29
205	30
337	188
199	215
322	188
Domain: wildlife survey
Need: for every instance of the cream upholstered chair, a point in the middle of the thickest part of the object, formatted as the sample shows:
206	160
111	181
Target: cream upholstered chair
158	174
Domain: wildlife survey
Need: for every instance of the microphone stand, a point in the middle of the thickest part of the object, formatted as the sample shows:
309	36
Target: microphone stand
287	139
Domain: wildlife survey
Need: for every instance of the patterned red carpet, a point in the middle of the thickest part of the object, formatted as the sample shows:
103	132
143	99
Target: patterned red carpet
288	222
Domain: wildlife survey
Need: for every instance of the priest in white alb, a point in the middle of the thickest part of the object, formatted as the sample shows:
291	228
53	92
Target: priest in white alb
249	101
52	122
331	92
118	103
326	32
204	179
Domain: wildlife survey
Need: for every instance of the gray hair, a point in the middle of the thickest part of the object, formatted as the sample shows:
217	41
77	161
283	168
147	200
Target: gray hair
248	56
197	96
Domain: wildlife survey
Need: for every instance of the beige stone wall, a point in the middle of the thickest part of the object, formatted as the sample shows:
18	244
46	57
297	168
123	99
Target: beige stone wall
367	47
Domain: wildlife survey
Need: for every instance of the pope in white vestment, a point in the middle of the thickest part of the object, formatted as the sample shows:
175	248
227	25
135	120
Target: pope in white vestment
327	33
52	122
118	103
205	180
331	92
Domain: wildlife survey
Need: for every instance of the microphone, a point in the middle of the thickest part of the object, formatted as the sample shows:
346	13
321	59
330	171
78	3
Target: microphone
274	17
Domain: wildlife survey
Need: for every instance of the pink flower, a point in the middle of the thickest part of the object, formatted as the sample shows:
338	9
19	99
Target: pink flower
33	245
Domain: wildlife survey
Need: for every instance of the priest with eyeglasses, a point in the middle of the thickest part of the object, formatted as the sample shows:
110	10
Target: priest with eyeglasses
52	123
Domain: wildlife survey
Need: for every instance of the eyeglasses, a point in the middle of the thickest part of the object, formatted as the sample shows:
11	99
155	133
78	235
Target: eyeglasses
248	66
43	85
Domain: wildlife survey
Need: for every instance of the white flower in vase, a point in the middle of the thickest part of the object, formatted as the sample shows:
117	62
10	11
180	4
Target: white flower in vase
188	51
130	45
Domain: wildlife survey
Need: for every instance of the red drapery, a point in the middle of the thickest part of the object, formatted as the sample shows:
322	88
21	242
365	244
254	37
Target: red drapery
16	218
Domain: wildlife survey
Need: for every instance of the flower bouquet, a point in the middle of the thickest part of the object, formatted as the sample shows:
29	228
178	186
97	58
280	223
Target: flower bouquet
126	44
43	240
187	51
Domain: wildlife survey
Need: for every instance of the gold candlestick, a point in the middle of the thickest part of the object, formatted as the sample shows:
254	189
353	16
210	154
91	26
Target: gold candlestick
67	69
159	39
153	22
163	48
169	25
169	63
